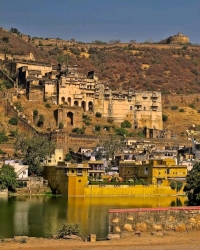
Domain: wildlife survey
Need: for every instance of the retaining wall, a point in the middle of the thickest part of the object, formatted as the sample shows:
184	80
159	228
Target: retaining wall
126	190
178	219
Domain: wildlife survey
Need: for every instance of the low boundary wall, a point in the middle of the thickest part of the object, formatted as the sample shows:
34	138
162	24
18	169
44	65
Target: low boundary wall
178	219
128	190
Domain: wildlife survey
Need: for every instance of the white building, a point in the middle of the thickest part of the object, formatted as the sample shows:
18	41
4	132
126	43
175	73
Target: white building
20	169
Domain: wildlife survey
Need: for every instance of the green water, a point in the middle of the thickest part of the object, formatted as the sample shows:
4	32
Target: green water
41	216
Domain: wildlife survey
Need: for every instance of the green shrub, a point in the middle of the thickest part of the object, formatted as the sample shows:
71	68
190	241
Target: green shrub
86	120
35	113
3	137
68	157
87	123
13	133
78	130
4	84
13	121
68	229
110	120
140	134
97	127
121	131
40	121
74	130
18	105
126	124
132	134
61	125
176	185
98	114
192	106
47	105
181	110
173	185
5	39
174	107
164	118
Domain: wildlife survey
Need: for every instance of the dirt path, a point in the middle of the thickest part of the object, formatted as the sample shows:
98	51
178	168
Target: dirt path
171	241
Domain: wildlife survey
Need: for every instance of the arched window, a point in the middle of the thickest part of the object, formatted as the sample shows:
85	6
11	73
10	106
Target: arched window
63	100
131	108
70	117
76	103
69	101
90	106
83	105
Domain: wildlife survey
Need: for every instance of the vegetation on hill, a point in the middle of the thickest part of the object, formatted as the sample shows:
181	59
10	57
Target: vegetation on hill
11	43
169	69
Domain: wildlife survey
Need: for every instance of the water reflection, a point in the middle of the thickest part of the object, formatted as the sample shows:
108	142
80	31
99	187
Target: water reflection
41	216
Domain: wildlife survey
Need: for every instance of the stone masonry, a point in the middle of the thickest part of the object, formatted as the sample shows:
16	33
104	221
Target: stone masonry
177	219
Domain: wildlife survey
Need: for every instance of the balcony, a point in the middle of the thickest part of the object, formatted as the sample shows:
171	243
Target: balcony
78	96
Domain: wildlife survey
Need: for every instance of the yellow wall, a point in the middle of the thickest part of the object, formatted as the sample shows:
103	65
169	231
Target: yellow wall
76	185
124	190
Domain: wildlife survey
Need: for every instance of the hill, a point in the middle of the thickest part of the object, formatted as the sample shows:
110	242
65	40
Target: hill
172	69
165	68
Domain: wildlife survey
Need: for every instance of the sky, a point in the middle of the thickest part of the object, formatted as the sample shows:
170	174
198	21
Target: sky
89	20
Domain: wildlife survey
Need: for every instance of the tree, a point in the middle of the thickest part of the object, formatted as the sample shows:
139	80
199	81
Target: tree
164	118
192	187
115	41
7	177
98	114
68	157
126	124
108	148
14	30
33	150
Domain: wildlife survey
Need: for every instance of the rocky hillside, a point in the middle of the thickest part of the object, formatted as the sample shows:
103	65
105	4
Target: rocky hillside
167	68
172	69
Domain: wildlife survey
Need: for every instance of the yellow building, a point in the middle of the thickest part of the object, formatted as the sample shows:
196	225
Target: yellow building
96	168
68	179
72	179
156	171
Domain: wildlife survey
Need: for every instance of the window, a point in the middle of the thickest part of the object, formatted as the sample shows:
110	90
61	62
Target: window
79	171
60	158
72	171
24	172
79	180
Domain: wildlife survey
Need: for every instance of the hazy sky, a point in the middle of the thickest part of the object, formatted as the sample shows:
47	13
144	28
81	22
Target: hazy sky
87	20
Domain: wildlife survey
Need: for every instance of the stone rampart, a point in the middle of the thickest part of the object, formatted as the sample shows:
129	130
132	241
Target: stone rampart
177	219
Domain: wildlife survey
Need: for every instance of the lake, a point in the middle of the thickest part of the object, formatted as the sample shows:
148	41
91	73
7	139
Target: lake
42	216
